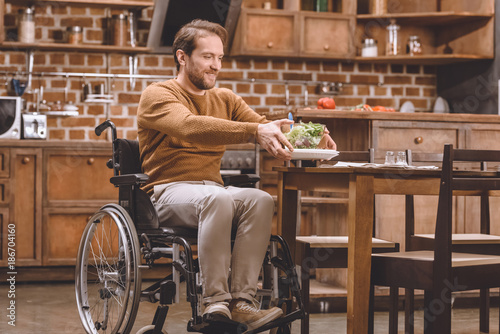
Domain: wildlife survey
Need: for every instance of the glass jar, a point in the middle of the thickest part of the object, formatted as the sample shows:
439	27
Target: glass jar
119	29
378	7
369	48
26	25
393	43
75	35
414	46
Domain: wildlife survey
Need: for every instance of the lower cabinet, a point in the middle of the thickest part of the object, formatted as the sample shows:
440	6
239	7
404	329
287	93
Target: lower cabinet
48	190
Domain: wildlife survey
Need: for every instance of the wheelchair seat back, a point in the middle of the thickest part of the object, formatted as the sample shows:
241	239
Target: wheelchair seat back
131	196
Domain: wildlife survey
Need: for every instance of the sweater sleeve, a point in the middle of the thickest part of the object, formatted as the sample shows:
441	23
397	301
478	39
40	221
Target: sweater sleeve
163	111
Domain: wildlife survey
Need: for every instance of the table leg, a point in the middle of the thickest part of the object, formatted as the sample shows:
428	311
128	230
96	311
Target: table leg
287	213
360	227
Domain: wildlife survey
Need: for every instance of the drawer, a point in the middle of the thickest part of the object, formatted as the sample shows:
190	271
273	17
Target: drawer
424	138
77	176
486	137
4	162
4	192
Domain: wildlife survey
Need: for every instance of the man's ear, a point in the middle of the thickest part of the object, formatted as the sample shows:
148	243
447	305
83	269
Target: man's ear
181	57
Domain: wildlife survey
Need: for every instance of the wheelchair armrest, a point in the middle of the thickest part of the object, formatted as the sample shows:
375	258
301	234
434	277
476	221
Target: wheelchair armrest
240	179
129	179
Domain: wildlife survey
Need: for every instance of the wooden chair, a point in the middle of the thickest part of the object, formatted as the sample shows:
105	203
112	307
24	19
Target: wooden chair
478	243
439	272
314	252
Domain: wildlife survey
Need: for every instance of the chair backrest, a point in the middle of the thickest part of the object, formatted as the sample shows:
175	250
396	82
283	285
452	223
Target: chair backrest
128	156
452	181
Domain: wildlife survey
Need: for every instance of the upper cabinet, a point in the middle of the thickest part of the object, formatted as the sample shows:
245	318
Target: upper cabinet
56	39
448	30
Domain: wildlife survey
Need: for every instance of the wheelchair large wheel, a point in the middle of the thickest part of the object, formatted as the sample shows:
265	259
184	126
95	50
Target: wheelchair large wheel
107	272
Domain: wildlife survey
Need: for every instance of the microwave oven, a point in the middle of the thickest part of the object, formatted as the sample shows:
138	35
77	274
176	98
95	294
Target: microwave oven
10	117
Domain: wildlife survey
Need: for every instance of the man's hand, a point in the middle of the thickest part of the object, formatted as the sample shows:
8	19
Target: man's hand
270	137
326	141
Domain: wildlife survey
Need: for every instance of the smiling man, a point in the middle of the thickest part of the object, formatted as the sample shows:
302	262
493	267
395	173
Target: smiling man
183	127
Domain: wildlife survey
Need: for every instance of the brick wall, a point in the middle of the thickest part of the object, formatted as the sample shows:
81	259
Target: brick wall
400	82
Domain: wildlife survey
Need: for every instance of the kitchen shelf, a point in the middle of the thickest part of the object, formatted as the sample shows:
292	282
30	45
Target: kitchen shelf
434	59
426	18
126	4
72	47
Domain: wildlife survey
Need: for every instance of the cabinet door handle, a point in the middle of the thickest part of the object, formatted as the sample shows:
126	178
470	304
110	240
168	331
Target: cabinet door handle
326	47
419	140
90	161
270	45
25	160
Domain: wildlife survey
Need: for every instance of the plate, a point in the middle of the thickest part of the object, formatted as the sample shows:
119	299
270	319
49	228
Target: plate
407	107
441	106
313	154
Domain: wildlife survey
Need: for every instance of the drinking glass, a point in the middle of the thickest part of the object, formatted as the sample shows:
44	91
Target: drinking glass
389	158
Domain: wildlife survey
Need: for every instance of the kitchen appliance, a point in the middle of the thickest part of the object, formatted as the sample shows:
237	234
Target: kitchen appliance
170	15
34	126
10	117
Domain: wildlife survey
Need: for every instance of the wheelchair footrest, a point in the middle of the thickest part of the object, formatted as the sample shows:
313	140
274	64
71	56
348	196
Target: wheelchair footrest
298	314
216	324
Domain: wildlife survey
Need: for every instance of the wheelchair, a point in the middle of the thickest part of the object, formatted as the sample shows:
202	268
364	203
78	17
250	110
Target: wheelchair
121	240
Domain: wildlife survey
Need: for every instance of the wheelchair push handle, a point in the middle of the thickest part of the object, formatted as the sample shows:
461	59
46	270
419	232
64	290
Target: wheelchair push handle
112	164
103	126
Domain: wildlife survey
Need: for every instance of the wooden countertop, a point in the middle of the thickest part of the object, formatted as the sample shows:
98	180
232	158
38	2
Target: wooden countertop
418	116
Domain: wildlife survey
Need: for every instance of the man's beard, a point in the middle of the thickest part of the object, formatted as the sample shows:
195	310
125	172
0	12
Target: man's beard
199	81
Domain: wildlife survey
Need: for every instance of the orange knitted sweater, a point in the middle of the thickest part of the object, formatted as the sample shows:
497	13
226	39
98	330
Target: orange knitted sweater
182	136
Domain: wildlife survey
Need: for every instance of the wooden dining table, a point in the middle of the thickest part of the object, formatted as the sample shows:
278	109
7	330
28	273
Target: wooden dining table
360	185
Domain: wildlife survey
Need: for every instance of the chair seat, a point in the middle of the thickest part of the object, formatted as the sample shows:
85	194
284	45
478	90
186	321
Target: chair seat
466	238
457	259
339	242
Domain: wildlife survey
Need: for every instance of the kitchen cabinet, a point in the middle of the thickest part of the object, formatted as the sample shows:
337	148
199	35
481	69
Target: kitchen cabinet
266	33
282	33
48	190
450	31
112	4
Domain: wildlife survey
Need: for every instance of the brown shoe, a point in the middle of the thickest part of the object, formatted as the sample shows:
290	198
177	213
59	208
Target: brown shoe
218	308
245	312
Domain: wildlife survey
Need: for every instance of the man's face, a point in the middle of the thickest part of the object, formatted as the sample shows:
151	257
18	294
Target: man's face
205	62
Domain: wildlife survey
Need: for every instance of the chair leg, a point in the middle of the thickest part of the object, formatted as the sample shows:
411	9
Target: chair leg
371	310
437	312
409	311
304	279
393	310
427	319
484	311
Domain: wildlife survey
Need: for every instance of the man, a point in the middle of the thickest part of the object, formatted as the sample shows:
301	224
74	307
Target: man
183	126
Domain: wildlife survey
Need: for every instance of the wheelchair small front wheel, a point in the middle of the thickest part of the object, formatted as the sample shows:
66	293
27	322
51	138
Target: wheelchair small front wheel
149	330
108	277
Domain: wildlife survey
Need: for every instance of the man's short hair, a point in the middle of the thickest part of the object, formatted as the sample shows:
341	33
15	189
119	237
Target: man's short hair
187	37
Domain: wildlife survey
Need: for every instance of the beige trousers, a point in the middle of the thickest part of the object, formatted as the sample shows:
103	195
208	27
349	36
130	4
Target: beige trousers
216	210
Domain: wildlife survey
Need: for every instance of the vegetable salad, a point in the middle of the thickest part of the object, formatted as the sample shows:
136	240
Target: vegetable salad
305	135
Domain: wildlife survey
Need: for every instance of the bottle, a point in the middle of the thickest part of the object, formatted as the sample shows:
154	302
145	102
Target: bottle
26	28
119	30
75	35
392	44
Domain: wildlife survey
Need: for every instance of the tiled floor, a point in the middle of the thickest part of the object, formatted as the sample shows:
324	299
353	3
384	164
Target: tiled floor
51	308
